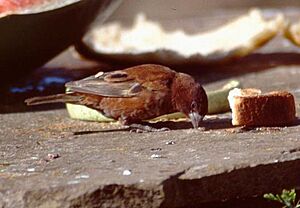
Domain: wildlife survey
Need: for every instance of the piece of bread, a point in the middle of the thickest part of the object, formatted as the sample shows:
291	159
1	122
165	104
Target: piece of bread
147	41
252	108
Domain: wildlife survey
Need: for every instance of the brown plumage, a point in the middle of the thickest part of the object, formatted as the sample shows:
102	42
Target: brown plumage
136	94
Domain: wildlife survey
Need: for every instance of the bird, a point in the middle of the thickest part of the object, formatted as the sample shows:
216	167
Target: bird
135	94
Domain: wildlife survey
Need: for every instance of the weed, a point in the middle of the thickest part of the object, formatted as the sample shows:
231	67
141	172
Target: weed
287	198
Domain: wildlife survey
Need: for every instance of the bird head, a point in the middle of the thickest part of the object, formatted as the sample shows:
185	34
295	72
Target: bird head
190	98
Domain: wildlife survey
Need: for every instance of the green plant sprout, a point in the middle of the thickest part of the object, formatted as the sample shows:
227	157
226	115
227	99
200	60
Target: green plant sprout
287	198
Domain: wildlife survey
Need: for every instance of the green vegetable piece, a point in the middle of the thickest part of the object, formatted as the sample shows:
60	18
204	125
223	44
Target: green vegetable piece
217	103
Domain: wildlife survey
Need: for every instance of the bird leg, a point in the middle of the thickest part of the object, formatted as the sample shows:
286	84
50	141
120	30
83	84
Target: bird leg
140	128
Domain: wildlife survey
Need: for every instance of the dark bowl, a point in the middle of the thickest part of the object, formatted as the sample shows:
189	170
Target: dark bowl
32	37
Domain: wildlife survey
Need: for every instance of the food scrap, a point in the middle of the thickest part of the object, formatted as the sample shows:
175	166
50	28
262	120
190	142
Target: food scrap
147	41
250	107
292	33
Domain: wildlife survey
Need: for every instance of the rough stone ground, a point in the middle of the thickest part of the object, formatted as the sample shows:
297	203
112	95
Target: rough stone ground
49	160
101	167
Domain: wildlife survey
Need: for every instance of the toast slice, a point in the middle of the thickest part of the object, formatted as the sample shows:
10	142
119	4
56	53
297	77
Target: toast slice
252	108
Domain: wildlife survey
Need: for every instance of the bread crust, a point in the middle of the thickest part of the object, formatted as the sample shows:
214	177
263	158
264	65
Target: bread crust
250	108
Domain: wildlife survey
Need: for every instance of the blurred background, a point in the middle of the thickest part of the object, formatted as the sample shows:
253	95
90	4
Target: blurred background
191	8
205	11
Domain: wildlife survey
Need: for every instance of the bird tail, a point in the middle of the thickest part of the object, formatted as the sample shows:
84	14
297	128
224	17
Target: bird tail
58	98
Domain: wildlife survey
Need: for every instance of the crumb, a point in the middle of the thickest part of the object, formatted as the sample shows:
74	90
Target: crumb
52	156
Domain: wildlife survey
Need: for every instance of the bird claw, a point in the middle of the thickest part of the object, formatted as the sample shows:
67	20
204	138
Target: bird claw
136	131
139	128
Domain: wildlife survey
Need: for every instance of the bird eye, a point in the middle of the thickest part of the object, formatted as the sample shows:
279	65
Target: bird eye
194	105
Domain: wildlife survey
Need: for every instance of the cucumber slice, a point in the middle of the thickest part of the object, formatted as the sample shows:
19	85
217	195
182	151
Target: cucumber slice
217	103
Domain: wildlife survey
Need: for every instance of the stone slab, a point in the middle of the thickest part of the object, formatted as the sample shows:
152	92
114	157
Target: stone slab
103	165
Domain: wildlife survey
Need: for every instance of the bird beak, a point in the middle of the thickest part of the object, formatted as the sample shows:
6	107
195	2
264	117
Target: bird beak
196	118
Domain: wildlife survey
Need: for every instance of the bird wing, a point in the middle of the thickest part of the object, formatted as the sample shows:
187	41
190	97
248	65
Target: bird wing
110	84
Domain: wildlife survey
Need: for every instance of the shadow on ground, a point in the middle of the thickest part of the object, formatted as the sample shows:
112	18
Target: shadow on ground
213	191
223	123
